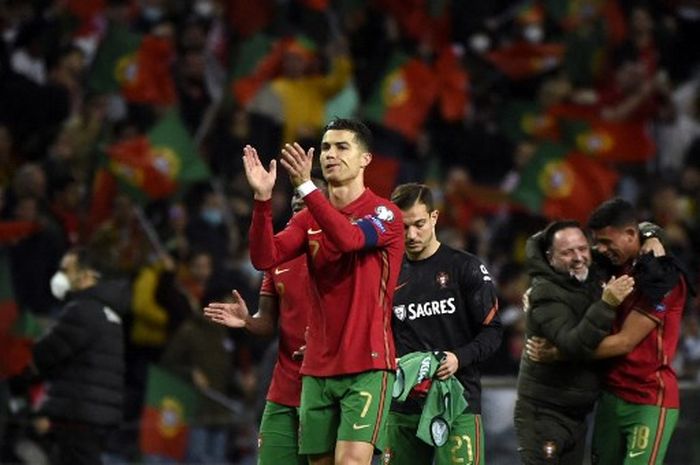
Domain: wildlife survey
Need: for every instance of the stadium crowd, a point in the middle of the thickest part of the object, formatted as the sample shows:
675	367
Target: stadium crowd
123	123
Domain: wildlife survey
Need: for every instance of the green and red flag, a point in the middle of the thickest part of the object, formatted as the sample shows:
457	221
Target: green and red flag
138	67
570	14
18	329
86	14
420	19
626	142
530	12
8	306
522	119
168	412
148	77
154	166
113	58
404	96
559	183
453	88
522	60
104	189
258	59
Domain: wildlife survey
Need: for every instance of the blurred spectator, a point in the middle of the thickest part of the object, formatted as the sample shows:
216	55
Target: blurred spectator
65	72
174	236
9	159
29	57
199	350
203	353
35	258
207	229
194	94
635	94
512	283
149	332
303	91
690	348
120	240
65	206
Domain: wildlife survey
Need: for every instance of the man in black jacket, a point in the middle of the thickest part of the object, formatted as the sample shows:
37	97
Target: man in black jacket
82	358
565	305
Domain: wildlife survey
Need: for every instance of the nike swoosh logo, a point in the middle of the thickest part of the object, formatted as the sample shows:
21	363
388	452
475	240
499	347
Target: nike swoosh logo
635	454
400	286
314	231
278	271
356	426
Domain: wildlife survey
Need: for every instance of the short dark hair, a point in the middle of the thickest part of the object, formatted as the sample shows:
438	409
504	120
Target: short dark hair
615	212
554	227
362	133
407	195
86	259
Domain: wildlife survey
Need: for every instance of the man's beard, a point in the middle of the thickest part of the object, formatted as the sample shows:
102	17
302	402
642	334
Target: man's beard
579	276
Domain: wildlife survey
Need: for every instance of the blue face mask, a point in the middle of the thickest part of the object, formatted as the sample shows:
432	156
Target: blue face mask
152	13
213	216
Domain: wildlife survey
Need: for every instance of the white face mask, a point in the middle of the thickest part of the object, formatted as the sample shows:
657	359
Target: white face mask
204	8
60	285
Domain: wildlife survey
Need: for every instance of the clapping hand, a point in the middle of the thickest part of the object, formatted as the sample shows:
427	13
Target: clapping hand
232	314
260	180
297	163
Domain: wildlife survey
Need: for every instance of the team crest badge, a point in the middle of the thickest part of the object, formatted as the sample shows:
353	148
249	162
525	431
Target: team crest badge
443	279
400	312
386	458
550	449
384	214
439	431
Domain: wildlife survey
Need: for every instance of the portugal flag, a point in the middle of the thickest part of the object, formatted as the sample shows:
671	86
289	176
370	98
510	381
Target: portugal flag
137	67
155	166
523	60
258	59
613	141
559	184
523	120
168	411
404	96
117	49
17	329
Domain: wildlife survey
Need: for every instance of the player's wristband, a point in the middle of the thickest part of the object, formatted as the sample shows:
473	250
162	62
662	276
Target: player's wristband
305	188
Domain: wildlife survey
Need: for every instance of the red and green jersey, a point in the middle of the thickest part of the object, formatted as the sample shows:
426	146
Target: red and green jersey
645	375
354	256
289	283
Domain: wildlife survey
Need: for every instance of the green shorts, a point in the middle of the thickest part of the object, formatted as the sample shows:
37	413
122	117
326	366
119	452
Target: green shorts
464	446
278	440
631	434
344	408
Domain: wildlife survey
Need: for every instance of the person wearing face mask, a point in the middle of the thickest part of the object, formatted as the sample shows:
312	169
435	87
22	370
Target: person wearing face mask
82	358
208	230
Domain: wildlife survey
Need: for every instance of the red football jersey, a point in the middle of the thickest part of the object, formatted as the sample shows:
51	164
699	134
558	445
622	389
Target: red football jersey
645	375
289	283
354	257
